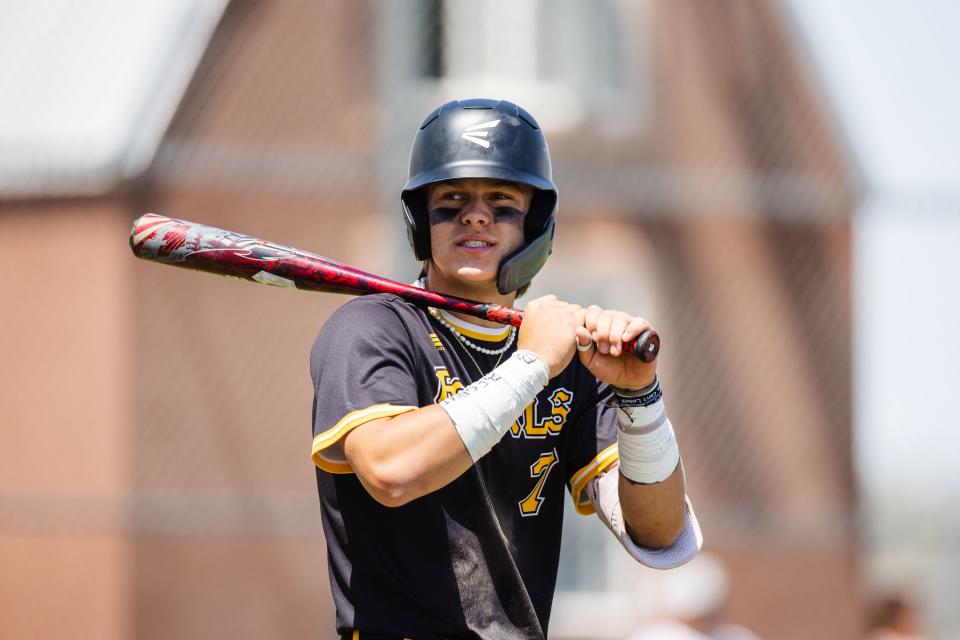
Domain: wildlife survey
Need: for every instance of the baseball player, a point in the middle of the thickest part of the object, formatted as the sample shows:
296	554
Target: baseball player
444	445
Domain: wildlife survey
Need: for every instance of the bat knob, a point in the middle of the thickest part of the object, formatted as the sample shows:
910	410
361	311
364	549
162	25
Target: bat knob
646	346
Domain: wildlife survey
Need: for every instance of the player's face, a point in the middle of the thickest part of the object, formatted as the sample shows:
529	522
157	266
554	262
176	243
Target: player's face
474	224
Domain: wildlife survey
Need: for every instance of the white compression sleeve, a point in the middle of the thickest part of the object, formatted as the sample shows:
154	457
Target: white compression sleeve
483	411
646	441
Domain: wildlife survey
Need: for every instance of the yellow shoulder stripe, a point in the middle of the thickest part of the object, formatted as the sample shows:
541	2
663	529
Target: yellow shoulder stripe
345	425
603	461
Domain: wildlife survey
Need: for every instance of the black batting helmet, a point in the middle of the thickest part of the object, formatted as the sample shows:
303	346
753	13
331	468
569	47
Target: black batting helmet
483	138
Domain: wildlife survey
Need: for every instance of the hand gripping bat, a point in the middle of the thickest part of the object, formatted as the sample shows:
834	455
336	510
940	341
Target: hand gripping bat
195	246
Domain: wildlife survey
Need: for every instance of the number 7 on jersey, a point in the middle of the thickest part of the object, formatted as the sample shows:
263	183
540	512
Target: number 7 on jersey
530	506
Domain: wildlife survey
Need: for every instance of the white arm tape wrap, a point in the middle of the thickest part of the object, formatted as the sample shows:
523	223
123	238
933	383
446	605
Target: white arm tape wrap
483	411
605	495
647	444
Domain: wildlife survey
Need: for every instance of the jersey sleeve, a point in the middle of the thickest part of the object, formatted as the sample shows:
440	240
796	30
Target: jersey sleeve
591	446
363	368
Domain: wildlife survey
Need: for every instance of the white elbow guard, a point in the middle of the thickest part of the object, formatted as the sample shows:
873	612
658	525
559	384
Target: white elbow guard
483	411
605	495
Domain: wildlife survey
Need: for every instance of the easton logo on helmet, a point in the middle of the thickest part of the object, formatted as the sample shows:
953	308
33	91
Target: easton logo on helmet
477	133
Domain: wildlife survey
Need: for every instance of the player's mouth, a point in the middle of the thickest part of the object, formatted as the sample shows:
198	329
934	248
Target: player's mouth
475	245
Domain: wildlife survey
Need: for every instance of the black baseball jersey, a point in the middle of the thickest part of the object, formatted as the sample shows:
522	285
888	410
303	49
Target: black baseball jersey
477	558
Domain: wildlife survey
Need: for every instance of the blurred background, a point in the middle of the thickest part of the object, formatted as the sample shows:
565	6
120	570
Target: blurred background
773	183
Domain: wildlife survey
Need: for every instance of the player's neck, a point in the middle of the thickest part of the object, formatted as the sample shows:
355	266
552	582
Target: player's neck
478	291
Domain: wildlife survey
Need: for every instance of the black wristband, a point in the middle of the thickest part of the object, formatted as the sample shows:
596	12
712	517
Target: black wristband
645	397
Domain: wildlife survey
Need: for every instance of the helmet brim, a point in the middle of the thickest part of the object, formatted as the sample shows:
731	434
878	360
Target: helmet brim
475	169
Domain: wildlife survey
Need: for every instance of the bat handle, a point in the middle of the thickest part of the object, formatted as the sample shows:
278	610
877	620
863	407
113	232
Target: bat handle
646	346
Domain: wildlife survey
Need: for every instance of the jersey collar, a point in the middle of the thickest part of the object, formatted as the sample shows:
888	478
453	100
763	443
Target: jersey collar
476	331
469	329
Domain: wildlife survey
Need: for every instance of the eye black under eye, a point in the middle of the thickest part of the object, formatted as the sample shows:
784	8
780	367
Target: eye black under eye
439	215
507	214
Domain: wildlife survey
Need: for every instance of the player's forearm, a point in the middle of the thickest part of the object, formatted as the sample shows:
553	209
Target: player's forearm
405	457
651	486
654	514
402	458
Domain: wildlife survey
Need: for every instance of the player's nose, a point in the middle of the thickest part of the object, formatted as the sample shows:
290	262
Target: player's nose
476	213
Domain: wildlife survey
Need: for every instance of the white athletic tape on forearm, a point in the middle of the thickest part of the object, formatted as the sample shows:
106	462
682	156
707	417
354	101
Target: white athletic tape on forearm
646	442
604	493
483	411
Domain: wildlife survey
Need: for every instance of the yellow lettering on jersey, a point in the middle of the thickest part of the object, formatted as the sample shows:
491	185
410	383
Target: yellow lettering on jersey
559	408
436	341
530	506
530	425
447	385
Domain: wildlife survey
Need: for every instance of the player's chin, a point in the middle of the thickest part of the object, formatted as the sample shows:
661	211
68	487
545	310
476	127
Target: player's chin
476	274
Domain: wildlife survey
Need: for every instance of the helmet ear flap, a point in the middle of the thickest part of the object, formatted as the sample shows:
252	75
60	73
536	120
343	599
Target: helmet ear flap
519	267
541	211
418	224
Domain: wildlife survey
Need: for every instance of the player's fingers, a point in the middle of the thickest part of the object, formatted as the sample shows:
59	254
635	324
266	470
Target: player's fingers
635	327
618	325
584	339
590	316
578	315
604	320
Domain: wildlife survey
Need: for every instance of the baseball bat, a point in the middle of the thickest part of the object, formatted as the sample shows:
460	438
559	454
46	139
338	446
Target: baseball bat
195	246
